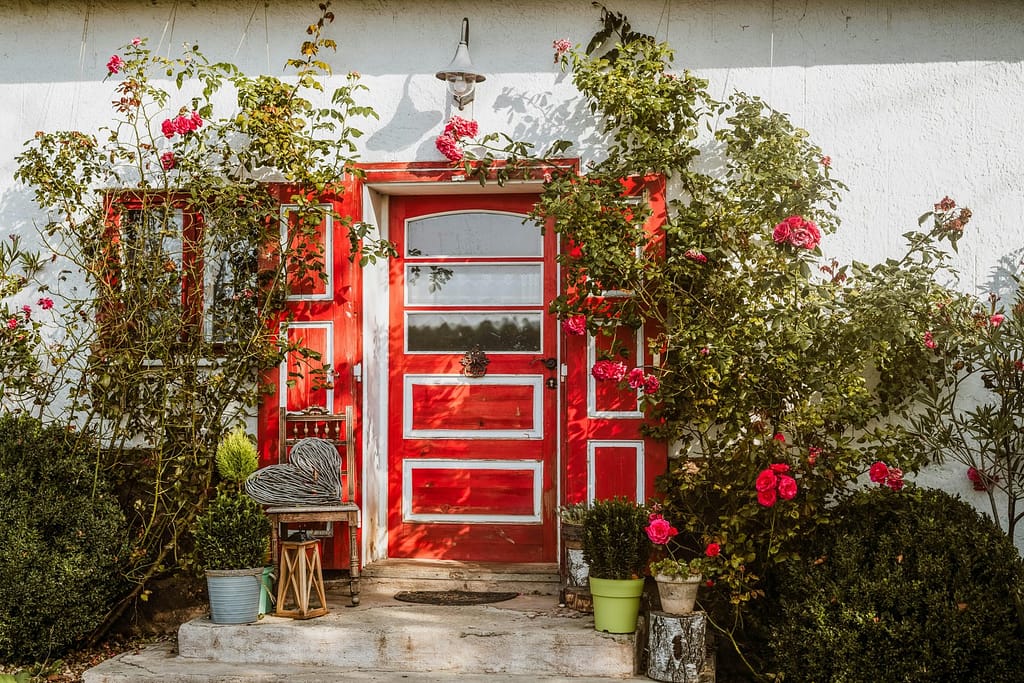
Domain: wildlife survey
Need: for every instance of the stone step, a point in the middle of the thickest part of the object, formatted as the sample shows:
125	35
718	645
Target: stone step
160	664
528	635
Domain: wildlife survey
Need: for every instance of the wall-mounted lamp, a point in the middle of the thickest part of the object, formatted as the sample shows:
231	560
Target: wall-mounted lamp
460	74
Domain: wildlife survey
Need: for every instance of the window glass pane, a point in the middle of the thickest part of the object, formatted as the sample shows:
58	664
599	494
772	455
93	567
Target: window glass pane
474	285
473	234
229	288
459	332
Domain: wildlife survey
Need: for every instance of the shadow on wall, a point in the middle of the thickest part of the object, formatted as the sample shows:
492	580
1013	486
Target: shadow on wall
407	125
542	118
1002	279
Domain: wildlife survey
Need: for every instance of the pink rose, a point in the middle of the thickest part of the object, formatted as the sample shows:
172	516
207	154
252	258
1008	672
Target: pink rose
781	233
806	236
695	255
608	370
766	480
767	497
712	550
12	323
636	378
826	161
449	147
996	320
167	128
114	65
929	340
895	479
561	46
660	531
878	472
196	120
459	128
651	384
704	351
787	487
167	160
797	231
946	204
27	310
576	324
136	41
45	303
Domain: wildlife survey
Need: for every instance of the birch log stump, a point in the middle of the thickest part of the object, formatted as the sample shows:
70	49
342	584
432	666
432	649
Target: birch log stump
676	647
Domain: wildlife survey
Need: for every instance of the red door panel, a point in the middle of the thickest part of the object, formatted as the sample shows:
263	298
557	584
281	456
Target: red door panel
471	464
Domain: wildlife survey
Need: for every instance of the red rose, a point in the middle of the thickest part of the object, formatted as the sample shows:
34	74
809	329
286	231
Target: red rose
576	324
660	531
779	467
787	487
636	378
878	472
448	146
766	497
766	481
713	550
608	369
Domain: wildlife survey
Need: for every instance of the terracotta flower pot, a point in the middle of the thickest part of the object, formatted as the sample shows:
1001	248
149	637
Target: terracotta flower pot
678	593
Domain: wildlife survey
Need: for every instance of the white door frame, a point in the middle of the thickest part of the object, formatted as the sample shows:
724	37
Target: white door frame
375	367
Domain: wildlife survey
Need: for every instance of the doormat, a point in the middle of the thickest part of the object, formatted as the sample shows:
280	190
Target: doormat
453	597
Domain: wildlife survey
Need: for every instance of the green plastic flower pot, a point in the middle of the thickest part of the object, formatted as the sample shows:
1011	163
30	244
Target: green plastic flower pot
616	604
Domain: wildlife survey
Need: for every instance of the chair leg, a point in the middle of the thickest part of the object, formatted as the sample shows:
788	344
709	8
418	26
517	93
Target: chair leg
353	567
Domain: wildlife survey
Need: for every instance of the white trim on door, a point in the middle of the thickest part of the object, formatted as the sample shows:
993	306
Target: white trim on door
535	467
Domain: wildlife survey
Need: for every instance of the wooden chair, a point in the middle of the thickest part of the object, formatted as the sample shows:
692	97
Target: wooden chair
338	430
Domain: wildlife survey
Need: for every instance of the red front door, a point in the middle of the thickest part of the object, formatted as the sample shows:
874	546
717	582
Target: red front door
473	379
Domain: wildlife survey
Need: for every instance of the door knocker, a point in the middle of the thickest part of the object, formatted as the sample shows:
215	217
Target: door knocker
474	363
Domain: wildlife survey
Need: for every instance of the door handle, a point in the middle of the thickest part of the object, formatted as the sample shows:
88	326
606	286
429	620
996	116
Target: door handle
549	363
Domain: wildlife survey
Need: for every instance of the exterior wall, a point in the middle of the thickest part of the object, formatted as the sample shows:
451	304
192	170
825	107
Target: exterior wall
912	99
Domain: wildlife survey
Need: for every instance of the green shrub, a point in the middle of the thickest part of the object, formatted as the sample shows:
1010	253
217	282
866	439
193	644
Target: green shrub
62	540
232	533
236	456
614	544
908	586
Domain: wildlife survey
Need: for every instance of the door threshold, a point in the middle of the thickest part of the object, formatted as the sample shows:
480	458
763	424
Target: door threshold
394	575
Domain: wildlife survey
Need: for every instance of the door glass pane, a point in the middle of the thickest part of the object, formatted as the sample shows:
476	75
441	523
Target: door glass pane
491	331
494	284
477	233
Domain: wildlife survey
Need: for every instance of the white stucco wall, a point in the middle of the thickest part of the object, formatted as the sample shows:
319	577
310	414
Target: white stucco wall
912	99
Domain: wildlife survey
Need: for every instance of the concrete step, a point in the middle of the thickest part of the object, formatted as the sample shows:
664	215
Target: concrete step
441	575
528	637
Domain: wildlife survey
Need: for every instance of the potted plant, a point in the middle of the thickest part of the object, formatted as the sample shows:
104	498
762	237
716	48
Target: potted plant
232	537
574	567
616	551
678	579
